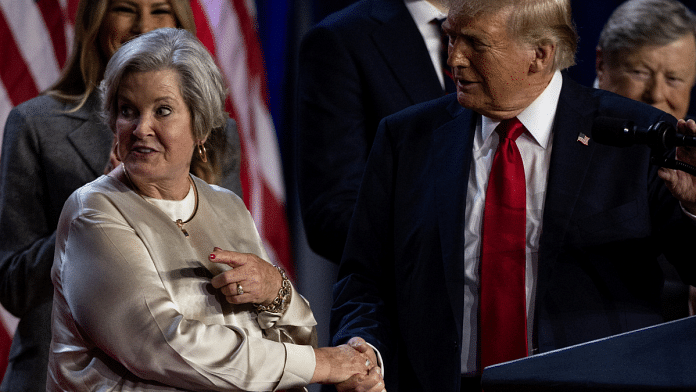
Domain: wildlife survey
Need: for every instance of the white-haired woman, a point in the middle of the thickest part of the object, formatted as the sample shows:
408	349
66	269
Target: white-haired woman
145	298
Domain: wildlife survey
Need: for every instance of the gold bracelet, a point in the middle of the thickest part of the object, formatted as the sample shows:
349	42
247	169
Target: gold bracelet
281	301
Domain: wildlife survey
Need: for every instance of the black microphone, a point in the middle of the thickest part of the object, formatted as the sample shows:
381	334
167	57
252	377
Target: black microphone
623	133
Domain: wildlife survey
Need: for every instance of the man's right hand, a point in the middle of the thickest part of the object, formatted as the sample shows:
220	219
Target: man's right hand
370	382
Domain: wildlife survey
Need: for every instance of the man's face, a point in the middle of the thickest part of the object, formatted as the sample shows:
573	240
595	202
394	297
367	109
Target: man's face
491	69
661	76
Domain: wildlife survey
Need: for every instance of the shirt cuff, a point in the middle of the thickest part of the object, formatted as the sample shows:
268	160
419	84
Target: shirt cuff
690	215
380	362
300	363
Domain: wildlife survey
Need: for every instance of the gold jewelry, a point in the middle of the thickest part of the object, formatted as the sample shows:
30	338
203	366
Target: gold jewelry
202	152
178	222
281	301
195	209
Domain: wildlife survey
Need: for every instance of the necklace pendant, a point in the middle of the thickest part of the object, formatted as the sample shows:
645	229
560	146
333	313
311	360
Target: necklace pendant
180	223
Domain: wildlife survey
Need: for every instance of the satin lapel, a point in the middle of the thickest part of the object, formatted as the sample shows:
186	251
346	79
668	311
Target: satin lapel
452	146
570	160
400	43
92	140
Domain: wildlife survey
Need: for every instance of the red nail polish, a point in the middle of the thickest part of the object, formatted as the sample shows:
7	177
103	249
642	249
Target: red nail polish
212	256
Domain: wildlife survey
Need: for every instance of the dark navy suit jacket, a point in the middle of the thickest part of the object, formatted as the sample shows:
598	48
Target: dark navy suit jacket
355	67
606	219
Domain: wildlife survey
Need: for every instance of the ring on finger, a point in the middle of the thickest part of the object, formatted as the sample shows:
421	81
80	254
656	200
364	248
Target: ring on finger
240	289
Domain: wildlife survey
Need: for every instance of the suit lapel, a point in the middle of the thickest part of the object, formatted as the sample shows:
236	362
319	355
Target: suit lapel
91	137
570	160
452	148
400	43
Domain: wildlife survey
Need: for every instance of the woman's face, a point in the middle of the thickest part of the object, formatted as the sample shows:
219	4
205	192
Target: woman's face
125	19
154	129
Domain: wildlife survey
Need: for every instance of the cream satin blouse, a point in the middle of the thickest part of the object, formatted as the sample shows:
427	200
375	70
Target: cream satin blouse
134	308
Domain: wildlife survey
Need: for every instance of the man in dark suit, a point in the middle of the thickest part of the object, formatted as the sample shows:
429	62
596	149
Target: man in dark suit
357	66
415	278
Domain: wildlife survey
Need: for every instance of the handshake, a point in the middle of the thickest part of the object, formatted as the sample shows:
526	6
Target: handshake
352	367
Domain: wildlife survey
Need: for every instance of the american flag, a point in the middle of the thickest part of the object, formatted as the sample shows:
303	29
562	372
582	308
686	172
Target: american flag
35	40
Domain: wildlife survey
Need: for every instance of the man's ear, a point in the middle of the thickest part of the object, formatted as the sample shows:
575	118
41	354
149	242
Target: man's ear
600	63
544	55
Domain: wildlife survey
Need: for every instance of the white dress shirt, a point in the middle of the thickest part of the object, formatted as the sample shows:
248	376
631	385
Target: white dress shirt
423	13
535	147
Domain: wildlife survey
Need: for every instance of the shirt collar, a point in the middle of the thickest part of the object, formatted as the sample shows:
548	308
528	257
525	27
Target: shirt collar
537	117
423	12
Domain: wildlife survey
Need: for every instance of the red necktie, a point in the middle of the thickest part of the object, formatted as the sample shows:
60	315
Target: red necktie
503	300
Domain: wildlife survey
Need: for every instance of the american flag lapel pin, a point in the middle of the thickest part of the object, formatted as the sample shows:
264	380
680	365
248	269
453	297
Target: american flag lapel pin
584	139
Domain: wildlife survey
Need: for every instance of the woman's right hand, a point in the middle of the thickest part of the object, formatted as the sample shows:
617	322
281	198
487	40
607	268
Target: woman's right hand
338	364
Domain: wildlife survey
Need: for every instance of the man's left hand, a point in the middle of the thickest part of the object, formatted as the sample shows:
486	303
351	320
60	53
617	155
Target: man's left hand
682	184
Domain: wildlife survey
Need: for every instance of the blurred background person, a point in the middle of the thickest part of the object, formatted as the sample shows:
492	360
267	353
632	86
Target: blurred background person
357	66
136	304
647	52
55	143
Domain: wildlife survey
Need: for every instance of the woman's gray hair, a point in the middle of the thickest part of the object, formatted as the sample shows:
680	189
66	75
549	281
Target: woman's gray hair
638	23
202	86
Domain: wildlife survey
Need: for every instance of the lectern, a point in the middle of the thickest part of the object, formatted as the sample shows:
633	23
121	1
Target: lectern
659	358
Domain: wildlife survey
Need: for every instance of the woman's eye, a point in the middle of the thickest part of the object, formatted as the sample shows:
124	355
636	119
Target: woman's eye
161	11
164	111
125	111
123	9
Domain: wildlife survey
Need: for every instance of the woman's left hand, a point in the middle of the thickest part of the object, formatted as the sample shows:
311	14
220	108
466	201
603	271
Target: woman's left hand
251	279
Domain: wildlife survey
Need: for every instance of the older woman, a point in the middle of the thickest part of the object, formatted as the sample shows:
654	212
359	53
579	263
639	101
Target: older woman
52	145
144	295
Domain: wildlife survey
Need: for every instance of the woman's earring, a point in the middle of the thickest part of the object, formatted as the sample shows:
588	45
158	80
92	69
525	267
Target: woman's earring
202	152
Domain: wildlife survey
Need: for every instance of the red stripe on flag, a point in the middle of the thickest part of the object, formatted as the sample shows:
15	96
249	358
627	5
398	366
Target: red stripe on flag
72	10
274	227
55	23
205	35
14	71
5	343
251	42
203	32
